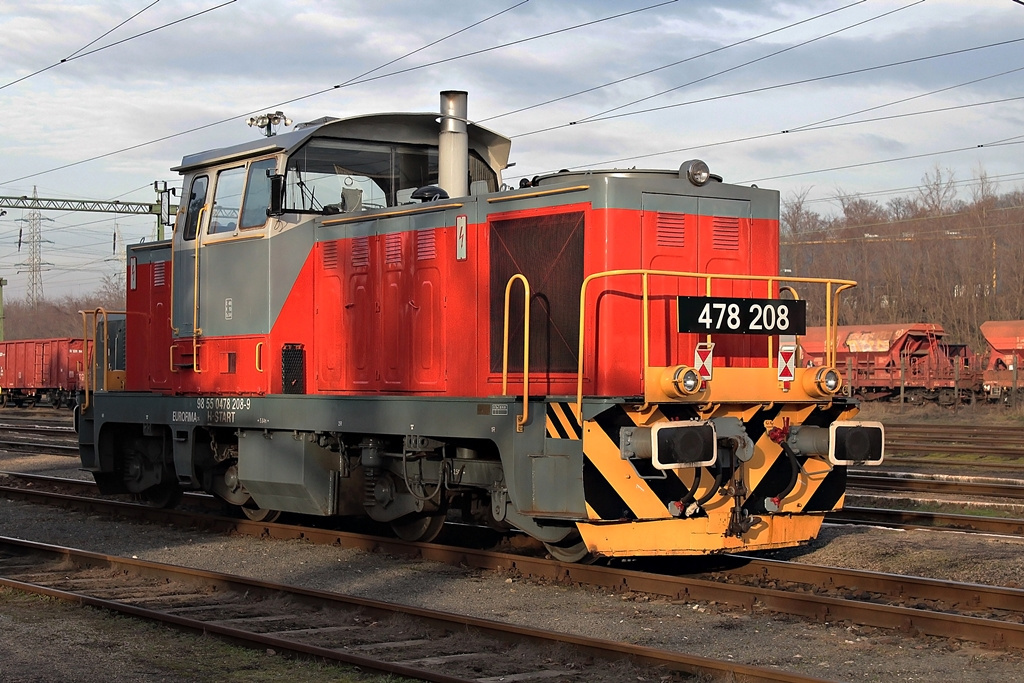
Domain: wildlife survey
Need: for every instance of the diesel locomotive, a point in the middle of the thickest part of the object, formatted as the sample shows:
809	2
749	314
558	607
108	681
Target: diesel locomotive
358	317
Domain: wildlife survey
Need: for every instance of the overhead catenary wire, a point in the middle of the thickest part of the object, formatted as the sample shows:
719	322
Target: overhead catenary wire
776	86
648	72
359	81
747	63
801	129
876	162
79	54
107	33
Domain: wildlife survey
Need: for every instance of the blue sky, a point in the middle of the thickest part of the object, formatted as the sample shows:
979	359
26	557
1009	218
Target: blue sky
252	55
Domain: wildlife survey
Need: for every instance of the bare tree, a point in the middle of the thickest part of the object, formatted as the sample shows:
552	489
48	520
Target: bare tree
937	194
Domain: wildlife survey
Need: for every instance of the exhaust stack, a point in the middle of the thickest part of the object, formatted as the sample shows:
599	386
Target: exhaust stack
453	145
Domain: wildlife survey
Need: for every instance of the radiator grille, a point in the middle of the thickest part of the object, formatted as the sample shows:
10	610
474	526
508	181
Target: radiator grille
548	250
293	369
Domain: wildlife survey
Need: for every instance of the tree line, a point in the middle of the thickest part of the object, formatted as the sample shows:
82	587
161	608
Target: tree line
928	256
59	317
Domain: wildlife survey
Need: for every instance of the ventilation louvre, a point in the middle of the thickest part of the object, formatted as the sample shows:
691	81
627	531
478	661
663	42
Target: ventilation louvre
426	245
330	255
393	248
361	252
725	233
160	273
671	229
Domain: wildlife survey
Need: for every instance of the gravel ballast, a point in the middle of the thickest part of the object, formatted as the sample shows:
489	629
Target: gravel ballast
832	651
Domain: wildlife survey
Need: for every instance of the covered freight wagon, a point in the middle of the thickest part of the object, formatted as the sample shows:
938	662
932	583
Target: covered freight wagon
1001	379
886	361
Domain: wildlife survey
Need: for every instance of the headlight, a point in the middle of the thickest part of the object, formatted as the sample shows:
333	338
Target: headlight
697	172
822	382
681	381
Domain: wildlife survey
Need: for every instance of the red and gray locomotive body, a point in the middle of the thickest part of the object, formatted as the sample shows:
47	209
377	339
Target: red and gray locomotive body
358	318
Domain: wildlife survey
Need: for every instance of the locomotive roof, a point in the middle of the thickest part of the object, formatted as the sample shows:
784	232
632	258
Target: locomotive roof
402	128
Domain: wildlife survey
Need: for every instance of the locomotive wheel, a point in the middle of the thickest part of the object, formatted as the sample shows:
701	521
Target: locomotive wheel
571	549
258	514
165	495
419	528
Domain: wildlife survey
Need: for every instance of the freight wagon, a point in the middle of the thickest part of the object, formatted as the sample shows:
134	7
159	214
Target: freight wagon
1001	379
41	371
908	361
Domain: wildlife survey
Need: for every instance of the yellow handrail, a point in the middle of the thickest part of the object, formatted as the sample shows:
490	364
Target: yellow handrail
520	419
170	282
196	331
259	356
85	350
94	316
832	326
769	280
195	278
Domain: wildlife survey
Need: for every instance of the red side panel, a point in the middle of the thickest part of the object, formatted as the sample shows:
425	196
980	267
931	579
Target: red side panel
148	329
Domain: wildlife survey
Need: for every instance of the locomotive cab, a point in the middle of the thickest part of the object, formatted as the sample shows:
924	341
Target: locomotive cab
359	318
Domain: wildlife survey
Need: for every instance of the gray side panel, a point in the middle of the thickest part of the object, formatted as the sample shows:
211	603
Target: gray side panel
282	472
233	288
554	480
726	208
624	190
670	203
289	250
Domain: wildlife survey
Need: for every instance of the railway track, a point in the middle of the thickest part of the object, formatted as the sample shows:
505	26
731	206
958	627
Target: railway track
918	519
974	440
990	615
416	643
952	486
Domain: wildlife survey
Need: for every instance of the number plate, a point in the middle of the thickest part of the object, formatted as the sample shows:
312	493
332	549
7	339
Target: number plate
720	315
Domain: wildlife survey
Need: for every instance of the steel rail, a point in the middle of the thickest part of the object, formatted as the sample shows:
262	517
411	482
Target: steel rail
961	439
39	429
973	596
914	519
918	484
1013	465
38	447
602	649
996	633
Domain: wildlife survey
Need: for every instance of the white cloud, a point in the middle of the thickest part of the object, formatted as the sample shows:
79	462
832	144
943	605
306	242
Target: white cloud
253	55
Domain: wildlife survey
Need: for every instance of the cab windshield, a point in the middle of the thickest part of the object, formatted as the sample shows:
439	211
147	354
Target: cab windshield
332	176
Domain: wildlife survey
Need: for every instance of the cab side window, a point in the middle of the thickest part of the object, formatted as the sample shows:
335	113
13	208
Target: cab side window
196	201
257	194
227	201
